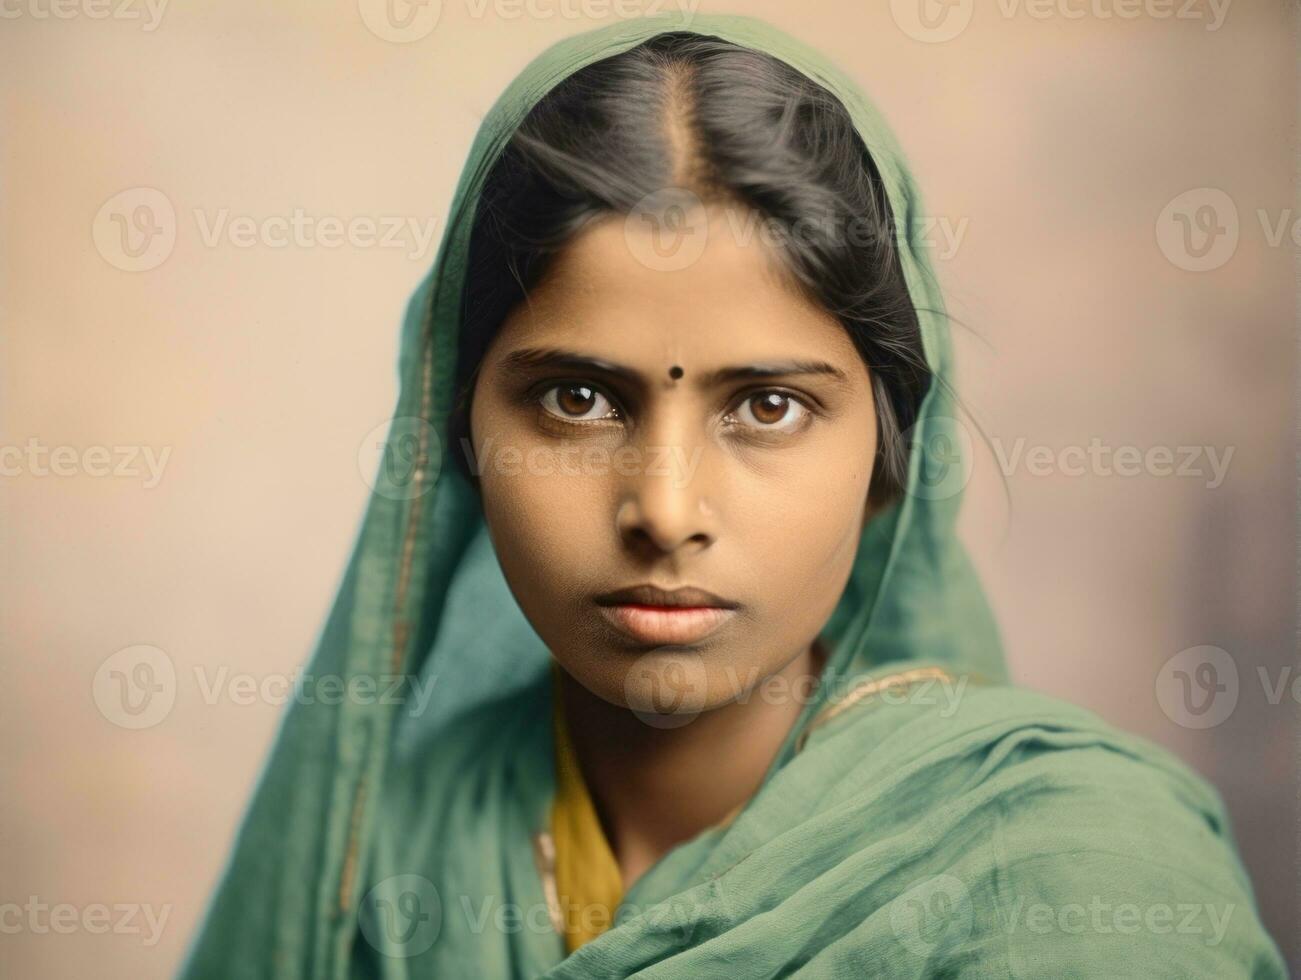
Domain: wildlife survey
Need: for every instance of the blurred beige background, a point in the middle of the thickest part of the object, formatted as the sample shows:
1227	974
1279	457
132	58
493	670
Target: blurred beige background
1114	217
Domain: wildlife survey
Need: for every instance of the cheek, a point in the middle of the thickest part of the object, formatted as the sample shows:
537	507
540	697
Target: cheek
546	526
801	533
546	513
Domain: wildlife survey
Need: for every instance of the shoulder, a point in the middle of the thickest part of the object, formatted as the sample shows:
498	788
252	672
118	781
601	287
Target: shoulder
1058	844
1023	756
932	714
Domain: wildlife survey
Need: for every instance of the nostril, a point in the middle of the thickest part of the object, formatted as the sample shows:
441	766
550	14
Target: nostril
664	523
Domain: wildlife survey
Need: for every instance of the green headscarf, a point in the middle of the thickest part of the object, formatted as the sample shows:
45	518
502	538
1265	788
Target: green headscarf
922	818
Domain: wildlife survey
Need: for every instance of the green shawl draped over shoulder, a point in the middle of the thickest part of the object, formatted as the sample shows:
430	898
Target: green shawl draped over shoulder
923	818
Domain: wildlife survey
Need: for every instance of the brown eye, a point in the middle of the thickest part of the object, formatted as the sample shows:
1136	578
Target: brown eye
576	402
770	408
773	410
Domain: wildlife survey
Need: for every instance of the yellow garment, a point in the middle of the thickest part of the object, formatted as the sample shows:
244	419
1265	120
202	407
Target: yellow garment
589	884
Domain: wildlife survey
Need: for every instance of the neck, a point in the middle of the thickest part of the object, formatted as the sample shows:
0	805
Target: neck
654	788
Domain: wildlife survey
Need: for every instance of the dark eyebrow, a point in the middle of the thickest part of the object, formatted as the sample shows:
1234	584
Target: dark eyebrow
554	357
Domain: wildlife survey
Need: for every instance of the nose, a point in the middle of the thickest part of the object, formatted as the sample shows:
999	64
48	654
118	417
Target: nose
662	507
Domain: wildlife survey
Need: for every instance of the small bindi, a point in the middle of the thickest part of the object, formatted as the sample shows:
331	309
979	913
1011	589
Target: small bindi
675	372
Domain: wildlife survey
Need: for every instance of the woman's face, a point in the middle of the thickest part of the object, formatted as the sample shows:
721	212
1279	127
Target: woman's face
702	427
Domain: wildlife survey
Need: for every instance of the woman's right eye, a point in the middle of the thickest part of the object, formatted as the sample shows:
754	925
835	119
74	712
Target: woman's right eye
577	402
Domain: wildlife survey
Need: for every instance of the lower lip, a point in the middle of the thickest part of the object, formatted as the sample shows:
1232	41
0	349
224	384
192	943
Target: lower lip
667	624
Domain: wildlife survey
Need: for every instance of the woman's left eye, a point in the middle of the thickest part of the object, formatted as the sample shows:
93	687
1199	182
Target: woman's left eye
774	411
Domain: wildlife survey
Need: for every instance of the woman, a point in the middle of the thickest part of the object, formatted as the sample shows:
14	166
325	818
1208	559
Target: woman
697	680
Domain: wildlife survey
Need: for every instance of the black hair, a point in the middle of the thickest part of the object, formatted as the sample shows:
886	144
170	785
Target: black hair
728	124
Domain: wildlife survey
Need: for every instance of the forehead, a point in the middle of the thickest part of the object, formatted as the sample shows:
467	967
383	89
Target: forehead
731	300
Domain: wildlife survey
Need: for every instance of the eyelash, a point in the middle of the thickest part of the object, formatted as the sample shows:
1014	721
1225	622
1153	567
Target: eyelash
540	396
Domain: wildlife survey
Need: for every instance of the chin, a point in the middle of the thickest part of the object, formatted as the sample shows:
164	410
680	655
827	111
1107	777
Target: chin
662	681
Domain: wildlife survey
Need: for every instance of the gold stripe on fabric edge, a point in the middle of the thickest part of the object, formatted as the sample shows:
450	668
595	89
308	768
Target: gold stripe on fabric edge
865	689
404	578
350	857
417	502
544	853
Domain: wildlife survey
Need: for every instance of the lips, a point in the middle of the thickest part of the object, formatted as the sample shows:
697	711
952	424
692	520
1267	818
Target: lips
653	615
